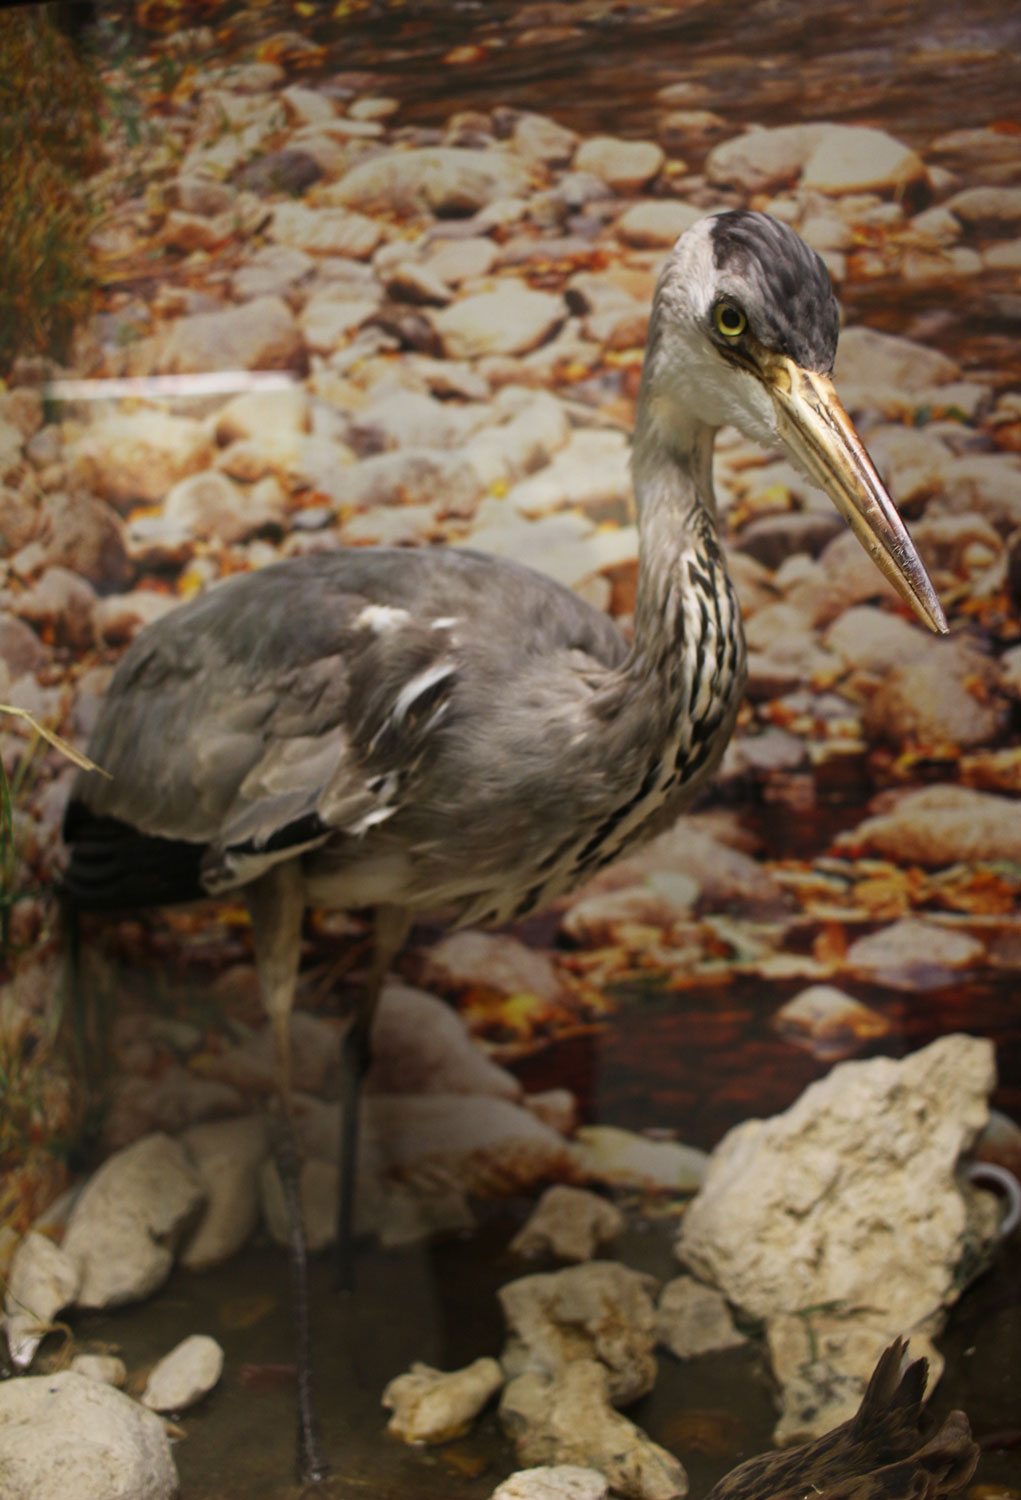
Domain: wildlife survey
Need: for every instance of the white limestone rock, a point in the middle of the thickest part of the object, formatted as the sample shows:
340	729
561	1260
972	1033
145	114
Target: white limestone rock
851	1196
124	1228
569	1420
185	1375
553	1482
41	1281
227	1155
431	1406
570	1223
692	1319
64	1436
822	1364
599	1310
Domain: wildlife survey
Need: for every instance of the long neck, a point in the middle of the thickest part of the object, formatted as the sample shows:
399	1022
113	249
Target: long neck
688	644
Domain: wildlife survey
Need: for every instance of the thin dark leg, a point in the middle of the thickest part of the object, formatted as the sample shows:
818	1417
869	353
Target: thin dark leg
390	929
311	1462
276	904
355	1057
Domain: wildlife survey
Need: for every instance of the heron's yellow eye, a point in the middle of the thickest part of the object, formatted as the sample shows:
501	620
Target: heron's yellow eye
729	320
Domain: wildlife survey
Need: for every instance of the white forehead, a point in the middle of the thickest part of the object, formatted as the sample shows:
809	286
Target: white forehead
689	280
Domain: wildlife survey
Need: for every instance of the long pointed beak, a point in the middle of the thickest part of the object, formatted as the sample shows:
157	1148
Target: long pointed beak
822	440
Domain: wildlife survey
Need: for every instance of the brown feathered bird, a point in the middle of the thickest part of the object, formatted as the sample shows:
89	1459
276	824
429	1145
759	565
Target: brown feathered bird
880	1454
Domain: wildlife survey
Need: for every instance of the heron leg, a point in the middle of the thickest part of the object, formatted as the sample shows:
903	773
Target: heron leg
391	927
276	904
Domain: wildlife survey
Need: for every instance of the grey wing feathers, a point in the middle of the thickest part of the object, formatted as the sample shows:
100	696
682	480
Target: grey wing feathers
285	706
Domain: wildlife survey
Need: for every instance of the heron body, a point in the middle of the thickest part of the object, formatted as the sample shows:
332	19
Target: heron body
430	729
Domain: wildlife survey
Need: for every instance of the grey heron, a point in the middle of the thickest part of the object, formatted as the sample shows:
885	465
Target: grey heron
436	730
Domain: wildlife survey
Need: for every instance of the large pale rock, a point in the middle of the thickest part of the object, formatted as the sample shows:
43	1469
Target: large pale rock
823	1364
851	1195
41	1281
859	159
569	1420
949	695
692	1319
944	825
599	1310
185	1375
430	1406
258	335
570	1223
512	319
64	1436
625	166
420	1045
436	179
227	1155
137	456
125	1226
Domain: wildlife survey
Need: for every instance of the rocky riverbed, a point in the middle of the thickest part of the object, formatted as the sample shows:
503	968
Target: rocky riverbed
334	314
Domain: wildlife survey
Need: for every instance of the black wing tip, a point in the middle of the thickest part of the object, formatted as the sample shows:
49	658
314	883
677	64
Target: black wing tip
115	867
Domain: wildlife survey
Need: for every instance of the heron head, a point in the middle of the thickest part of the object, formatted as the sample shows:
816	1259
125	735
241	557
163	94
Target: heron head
744	331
